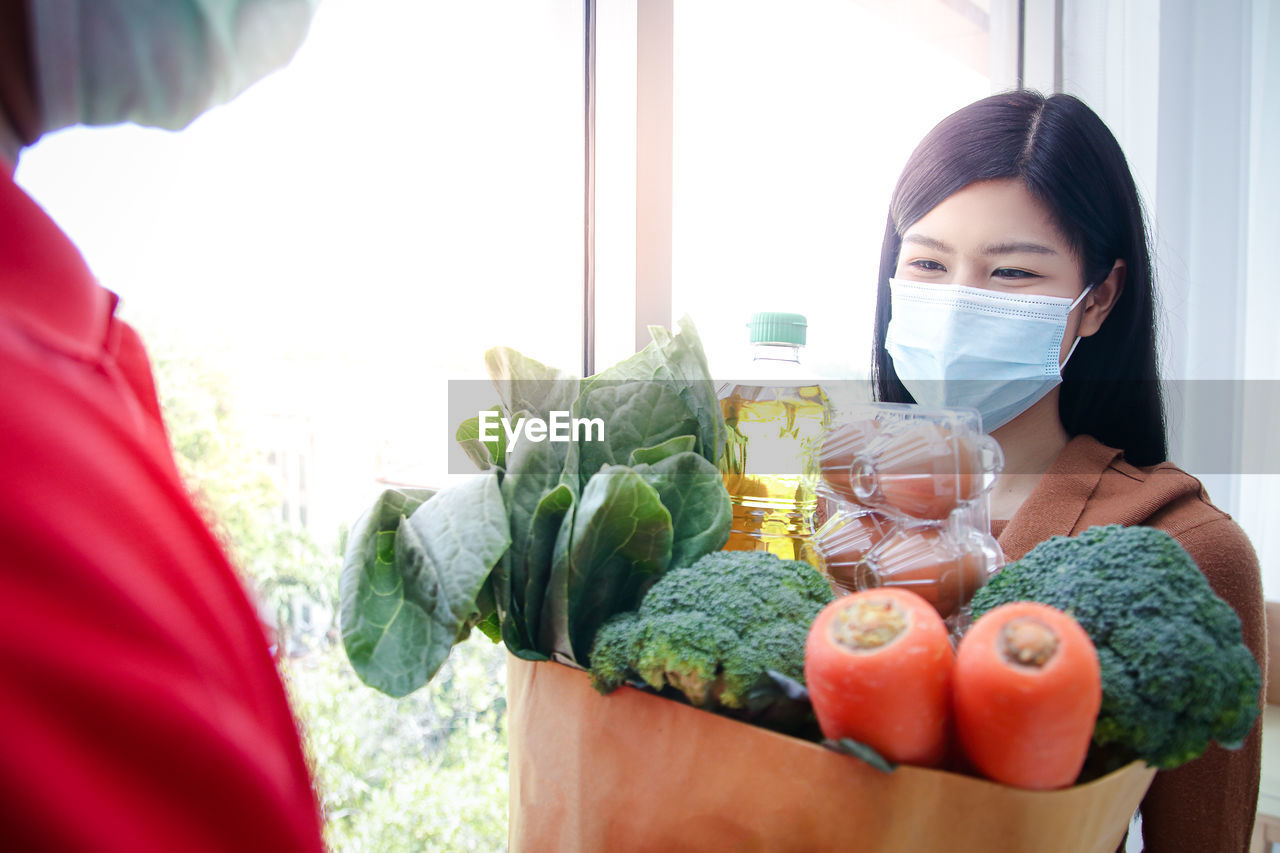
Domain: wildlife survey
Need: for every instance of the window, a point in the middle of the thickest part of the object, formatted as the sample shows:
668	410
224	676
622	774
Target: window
746	153
791	123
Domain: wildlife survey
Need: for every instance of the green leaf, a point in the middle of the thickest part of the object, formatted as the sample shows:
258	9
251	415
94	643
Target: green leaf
856	749
536	472
677	362
637	414
692	490
535	475
688	365
485	454
616	542
410	584
527	385
529	388
370	589
553	627
490	628
371	541
670	447
544	530
486	617
509	615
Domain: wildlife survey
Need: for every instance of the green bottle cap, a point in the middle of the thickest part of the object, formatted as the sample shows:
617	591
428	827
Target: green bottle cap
770	327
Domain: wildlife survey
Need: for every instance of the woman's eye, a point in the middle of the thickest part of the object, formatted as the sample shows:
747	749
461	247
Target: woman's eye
927	265
1005	272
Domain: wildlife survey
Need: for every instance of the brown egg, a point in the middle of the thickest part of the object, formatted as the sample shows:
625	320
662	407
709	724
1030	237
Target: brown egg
925	470
928	562
842	548
845	443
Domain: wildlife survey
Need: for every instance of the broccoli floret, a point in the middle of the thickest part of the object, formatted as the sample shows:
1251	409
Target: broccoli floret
1175	671
775	645
691	638
712	629
615	647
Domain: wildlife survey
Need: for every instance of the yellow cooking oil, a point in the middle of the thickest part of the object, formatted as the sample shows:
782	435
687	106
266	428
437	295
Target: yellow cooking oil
774	427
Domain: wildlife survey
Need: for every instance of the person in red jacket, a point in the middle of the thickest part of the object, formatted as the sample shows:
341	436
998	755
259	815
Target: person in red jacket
139	707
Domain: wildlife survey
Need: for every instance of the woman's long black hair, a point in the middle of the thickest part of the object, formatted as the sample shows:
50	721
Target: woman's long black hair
1069	160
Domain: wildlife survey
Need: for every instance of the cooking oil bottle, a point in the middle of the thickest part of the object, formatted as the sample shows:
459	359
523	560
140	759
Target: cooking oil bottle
775	415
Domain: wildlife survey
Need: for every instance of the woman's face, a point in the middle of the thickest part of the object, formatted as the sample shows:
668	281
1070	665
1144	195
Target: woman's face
997	236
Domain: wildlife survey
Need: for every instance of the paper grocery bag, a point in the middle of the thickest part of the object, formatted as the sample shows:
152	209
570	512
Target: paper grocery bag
634	771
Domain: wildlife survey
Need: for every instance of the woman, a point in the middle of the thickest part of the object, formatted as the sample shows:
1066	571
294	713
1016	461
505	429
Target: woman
1016	278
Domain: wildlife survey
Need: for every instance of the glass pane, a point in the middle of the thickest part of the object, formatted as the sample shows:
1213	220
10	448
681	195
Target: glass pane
358	228
792	122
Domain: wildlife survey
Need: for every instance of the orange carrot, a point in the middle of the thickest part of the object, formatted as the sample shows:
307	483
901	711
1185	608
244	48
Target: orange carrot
1027	692
878	666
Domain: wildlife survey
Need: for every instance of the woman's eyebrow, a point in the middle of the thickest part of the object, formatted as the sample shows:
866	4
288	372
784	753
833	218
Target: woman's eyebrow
927	242
1015	248
991	249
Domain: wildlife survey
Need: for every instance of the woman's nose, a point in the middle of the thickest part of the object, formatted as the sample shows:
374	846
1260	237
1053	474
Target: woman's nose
967	276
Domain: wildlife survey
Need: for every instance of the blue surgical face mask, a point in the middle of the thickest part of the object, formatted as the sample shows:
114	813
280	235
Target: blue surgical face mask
158	63
992	351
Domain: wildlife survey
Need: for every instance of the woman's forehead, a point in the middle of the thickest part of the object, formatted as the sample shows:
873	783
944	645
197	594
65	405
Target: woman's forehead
989	218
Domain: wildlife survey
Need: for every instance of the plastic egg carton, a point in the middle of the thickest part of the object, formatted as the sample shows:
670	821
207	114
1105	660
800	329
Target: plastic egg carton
904	501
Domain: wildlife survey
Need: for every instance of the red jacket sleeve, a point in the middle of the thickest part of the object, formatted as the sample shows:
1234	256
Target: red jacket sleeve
139	708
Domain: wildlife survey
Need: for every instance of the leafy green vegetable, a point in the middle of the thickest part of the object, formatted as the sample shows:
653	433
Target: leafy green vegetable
529	388
527	385
536	507
692	490
636	415
485	454
678	363
1175	671
676	398
414	568
655	454
491	627
618	540
555	537
371	591
688	365
539	550
490	623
